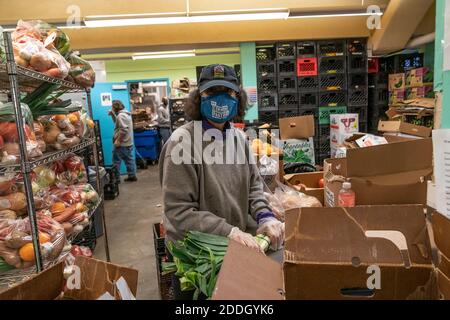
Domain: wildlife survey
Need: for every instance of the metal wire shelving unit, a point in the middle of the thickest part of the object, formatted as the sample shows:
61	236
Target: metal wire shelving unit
15	80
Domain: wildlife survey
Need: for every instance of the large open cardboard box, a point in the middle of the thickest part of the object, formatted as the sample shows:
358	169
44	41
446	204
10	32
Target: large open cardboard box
394	173
97	277
399	127
330	252
310	180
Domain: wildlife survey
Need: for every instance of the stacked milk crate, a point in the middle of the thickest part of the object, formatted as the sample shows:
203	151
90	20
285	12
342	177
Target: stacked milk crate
332	91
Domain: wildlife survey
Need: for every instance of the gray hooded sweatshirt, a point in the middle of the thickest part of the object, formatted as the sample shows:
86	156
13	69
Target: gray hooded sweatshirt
210	198
124	127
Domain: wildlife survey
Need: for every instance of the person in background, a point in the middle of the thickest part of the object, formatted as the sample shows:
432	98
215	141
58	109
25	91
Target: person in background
164	120
215	198
123	139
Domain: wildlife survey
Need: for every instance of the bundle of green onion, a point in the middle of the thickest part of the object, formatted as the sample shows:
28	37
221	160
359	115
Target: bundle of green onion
198	258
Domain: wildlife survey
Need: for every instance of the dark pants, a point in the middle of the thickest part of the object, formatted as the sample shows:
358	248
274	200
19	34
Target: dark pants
164	132
125	154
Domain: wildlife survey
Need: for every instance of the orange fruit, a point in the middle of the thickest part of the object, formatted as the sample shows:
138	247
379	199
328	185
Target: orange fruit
73	118
26	253
57	207
59	117
90	123
43	237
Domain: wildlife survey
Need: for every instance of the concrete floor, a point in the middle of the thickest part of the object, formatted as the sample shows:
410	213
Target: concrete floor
130	218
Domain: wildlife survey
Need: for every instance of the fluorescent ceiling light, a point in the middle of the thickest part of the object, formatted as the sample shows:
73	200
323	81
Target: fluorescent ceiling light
193	17
332	14
163	52
162	56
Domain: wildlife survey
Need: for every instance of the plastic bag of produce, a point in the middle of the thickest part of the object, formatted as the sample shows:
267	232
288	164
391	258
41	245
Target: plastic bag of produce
33	51
81	71
9	138
8	184
16	247
44	32
59	134
70	170
286	198
88	194
39	133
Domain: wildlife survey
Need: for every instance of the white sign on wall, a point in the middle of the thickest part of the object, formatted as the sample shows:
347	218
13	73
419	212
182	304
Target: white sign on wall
106	99
441	155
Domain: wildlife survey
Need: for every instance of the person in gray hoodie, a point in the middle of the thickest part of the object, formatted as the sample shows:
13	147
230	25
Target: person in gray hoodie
123	139
214	198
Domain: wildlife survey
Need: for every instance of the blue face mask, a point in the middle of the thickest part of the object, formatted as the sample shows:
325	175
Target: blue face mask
219	107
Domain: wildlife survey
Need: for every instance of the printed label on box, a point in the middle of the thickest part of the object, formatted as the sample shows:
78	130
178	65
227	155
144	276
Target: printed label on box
329	197
298	150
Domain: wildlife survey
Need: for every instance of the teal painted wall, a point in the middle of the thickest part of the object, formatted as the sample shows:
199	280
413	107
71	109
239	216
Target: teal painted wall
248	71
441	78
175	68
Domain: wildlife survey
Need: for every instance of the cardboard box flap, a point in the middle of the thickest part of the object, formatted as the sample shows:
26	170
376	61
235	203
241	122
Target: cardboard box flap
443	284
396	179
390	158
310	180
441	231
248	275
44	286
404	127
98	277
297	127
362	235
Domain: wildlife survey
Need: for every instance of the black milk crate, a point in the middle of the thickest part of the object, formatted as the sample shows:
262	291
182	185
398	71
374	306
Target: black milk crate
288	100
286	50
176	106
268	117
333	98
357	47
287	68
158	240
265	54
379	80
322	145
357	64
267	84
309	83
306	49
268	101
363	126
86	238
309	112
308	99
358	97
329	48
322	130
266	69
329	65
357	80
288	113
378	96
287	84
333	82
361	111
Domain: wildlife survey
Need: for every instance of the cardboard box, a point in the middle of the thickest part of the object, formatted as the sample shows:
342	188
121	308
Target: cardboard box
418	77
97	277
404	127
344	123
296	140
310	180
419	92
397	82
394	173
337	260
441	236
396	96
